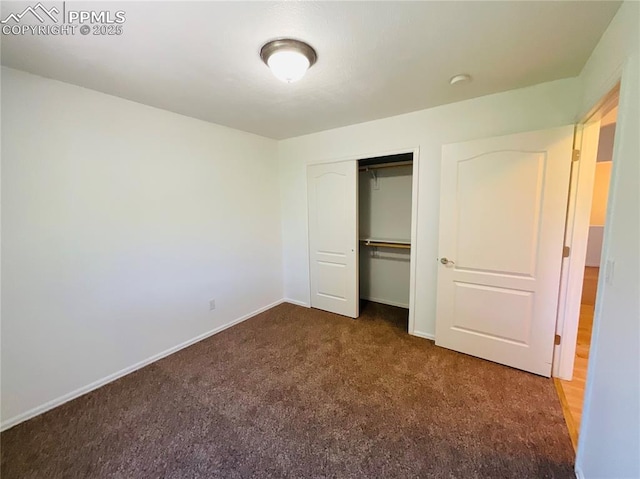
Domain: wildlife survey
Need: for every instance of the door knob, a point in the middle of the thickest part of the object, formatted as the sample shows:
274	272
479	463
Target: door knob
446	261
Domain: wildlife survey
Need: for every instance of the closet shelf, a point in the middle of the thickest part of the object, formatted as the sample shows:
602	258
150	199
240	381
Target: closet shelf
386	243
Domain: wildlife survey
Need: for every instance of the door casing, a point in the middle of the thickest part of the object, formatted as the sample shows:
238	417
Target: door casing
577	228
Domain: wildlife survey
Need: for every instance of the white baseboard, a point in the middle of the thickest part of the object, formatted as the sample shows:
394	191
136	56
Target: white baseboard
387	302
420	334
578	472
296	302
36	411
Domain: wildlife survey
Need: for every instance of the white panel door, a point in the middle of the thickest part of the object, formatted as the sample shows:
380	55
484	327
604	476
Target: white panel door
502	217
333	237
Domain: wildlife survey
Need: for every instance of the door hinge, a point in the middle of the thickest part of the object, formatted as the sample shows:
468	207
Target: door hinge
566	251
576	155
557	339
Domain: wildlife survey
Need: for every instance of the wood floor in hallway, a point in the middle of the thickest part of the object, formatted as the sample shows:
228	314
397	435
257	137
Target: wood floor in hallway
573	390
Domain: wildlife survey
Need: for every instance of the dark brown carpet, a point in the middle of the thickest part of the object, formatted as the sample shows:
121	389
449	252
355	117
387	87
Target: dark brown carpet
295	392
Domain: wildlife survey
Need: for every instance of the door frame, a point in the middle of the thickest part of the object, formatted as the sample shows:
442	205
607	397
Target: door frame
413	255
576	233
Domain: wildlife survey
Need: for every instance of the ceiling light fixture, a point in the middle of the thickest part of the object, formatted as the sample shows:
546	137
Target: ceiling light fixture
462	78
288	59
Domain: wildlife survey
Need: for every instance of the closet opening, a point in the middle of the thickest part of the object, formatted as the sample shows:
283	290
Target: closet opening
385	198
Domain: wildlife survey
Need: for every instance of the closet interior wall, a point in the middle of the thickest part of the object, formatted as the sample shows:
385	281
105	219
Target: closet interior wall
385	214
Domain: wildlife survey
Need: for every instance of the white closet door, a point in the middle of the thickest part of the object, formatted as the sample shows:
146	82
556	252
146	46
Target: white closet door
333	237
502	217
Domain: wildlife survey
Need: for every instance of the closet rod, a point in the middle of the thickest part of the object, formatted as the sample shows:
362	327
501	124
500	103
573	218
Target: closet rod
386	165
382	244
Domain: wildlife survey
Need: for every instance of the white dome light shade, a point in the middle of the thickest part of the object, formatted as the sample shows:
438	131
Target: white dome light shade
288	59
288	65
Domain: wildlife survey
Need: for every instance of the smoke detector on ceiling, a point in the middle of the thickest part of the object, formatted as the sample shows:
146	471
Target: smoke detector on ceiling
462	78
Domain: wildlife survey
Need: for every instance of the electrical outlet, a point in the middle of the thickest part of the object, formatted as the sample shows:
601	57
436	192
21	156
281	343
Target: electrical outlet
212	305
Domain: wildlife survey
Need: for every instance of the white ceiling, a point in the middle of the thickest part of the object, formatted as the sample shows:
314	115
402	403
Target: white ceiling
375	59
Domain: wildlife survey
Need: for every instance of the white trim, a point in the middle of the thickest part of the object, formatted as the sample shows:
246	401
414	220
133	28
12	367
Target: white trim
420	334
413	254
576	234
385	301
364	156
36	411
623	100
607	87
296	302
